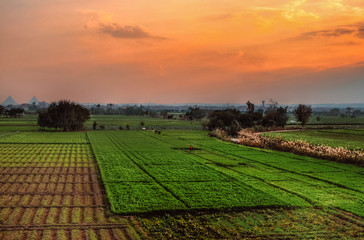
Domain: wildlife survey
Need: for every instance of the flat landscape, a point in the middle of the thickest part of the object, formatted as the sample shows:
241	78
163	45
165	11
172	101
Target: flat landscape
134	184
347	138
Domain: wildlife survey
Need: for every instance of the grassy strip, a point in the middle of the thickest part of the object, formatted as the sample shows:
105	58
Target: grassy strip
302	148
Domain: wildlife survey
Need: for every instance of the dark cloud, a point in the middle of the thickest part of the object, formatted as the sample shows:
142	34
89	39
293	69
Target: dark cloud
354	29
124	31
361	32
328	33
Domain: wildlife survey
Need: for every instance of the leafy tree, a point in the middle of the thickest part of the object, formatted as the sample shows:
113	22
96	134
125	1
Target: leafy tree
195	113
334	112
2	110
349	110
276	117
303	113
227	119
66	115
282	117
357	113
250	107
14	112
250	118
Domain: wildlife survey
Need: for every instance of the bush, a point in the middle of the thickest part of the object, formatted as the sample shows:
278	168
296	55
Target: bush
66	115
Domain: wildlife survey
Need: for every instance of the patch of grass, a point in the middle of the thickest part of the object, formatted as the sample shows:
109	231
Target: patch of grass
350	139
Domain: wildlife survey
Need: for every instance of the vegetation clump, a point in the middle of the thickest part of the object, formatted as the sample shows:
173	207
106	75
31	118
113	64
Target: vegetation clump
64	114
232	120
303	113
338	154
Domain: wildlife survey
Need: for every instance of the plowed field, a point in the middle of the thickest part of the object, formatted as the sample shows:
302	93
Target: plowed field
52	191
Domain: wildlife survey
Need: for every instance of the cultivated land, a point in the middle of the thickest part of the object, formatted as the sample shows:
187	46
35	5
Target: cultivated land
348	138
51	188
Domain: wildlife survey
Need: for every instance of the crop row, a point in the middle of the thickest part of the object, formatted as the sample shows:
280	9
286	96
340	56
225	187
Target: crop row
55	188
72	233
48	200
47	170
47	178
319	182
44	164
49	149
45	137
152	175
53	202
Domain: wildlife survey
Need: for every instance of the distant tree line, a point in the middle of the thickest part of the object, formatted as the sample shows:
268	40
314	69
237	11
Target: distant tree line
65	115
12	112
232	120
196	113
128	111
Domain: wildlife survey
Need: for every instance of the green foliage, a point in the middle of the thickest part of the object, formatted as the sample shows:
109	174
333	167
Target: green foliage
196	113
350	139
44	137
216	175
14	112
225	119
113	122
232	121
66	115
303	113
277	117
2	110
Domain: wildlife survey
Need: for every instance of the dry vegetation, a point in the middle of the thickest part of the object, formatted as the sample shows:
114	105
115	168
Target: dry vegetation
338	154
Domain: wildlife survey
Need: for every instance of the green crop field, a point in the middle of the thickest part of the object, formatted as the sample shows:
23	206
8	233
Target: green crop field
115	121
347	138
50	188
143	171
331	120
43	137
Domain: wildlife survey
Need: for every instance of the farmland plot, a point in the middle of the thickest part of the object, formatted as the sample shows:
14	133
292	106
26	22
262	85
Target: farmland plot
217	175
182	181
348	138
45	137
51	191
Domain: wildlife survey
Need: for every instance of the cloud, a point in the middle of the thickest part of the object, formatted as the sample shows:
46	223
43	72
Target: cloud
356	30
360	33
339	7
103	23
123	31
291	11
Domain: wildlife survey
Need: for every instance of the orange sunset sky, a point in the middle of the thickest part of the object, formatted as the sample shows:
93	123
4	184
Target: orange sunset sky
182	51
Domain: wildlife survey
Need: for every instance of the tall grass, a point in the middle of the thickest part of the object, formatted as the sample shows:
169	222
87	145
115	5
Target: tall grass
338	154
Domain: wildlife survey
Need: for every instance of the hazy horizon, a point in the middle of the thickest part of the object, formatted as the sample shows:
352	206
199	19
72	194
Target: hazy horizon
166	52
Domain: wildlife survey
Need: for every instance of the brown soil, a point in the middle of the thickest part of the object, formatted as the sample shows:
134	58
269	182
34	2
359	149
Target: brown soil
39	202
